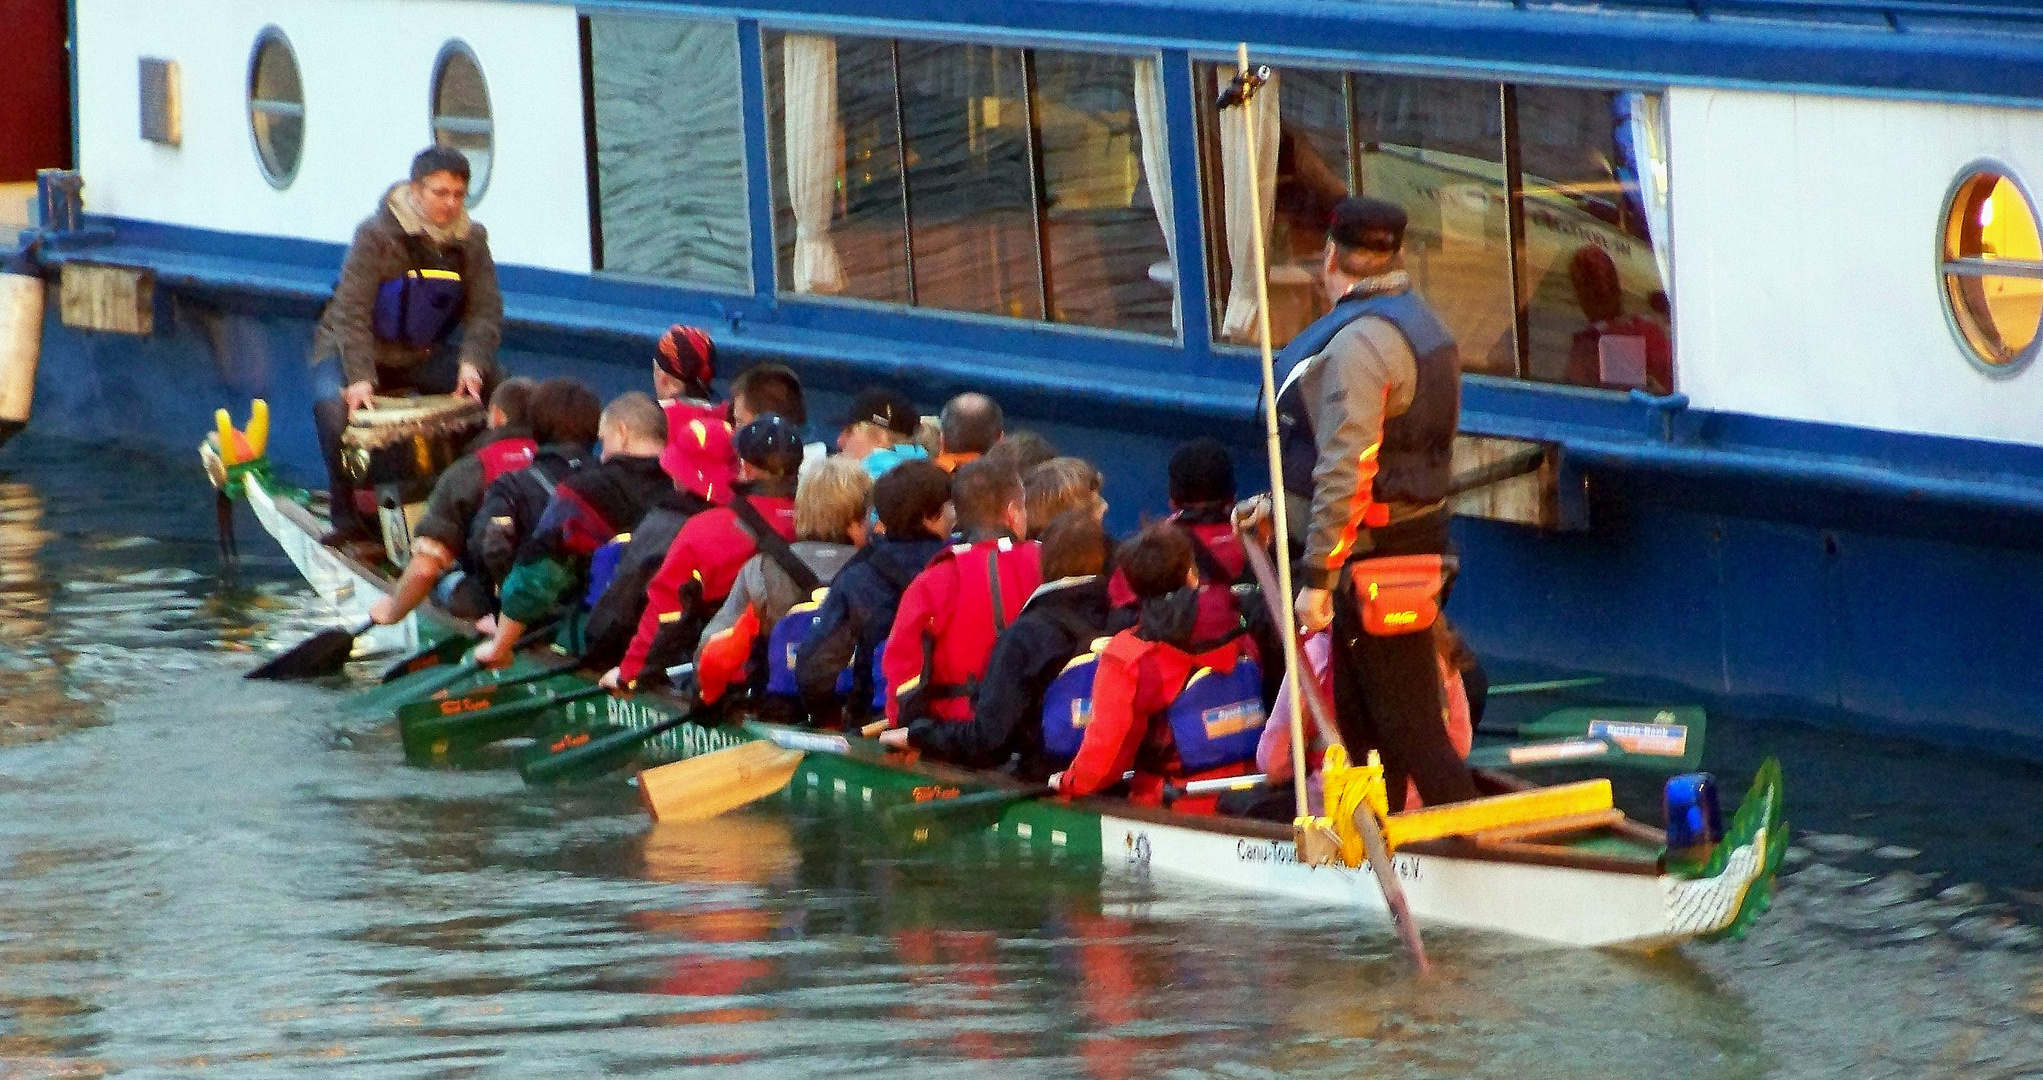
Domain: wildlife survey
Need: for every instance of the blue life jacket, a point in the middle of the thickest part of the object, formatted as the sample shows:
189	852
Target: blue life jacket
1218	718
603	568
418	308
1067	705
784	644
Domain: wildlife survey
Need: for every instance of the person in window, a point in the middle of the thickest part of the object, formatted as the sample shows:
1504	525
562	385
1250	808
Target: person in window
417	308
1615	350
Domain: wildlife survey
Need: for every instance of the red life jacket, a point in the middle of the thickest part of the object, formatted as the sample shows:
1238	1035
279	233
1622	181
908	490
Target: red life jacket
505	456
700	454
956	603
1200	720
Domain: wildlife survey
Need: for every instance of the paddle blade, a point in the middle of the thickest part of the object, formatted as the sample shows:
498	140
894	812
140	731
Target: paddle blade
456	731
1664	738
703	787
447	650
584	753
474	699
324	653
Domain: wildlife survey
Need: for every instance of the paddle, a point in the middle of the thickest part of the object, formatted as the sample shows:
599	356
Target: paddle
578	753
702	787
483	695
971	812
459	731
1664	739
324	653
447	650
1541	687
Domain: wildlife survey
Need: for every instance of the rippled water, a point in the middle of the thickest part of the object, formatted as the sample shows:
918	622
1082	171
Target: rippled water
201	876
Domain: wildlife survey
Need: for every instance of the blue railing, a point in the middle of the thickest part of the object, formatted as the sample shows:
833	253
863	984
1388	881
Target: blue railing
1900	15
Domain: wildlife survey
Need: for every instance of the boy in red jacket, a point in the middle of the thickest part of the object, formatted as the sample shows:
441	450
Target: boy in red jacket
952	612
711	548
1143	672
1201	497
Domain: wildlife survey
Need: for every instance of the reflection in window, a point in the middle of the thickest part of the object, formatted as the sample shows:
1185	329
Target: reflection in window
461	117
276	107
1596	310
842	226
997	175
1109	263
670	148
970	193
1591	175
1993	270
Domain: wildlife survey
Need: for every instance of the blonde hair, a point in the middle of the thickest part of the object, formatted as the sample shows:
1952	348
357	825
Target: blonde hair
833	496
929	435
1057	485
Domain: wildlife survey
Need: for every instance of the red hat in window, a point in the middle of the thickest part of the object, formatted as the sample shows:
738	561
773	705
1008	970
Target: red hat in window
688	355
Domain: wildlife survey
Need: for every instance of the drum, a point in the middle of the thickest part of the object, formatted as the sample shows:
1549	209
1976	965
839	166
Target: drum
408	440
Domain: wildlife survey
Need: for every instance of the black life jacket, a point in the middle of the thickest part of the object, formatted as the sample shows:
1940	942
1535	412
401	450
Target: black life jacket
511	508
613	618
1415	462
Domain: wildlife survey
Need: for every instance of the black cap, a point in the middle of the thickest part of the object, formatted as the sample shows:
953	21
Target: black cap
1368	224
771	445
890	409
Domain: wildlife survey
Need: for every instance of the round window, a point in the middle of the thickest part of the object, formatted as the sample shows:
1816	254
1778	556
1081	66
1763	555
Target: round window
461	112
276	107
1993	270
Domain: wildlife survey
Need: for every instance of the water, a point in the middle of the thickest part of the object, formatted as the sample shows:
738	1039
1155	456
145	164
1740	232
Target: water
201	876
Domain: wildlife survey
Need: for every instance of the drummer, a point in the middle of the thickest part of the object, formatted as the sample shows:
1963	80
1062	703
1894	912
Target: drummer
417	308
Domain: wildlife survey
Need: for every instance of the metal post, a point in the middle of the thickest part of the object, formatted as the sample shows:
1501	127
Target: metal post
1038	195
1514	202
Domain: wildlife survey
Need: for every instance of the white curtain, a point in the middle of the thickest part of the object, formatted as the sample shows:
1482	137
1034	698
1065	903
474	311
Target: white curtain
1240	320
1649	144
809	66
1150	122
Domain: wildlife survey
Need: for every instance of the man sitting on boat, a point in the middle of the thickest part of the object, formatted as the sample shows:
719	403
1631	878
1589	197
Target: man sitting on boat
699	455
588	509
703	563
953	611
913	503
970	424
831	503
567	419
441	536
1369	404
879	431
417	271
1146	716
1059	622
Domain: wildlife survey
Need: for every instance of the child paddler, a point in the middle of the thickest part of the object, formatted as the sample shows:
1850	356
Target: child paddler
441	537
587	509
1140	695
912	500
953	611
699	455
703	562
1059	621
566	417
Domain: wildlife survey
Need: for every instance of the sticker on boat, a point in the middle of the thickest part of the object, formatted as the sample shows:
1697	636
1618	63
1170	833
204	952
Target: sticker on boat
1661	739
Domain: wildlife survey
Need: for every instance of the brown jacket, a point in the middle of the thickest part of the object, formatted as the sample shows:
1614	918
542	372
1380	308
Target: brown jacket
379	254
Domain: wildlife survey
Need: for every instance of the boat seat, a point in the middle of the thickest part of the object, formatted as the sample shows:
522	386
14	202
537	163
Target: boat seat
1493	813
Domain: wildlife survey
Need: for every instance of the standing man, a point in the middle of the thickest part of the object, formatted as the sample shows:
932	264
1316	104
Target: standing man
417	271
1369	402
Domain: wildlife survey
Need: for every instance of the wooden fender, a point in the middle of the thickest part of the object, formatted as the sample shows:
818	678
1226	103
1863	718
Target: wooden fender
21	344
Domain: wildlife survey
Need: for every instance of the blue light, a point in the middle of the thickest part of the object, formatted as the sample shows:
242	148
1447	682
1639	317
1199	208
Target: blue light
1693	817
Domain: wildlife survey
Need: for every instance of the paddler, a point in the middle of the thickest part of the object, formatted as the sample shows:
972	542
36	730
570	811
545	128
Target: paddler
588	509
969	425
699	455
419	270
441	535
1369	400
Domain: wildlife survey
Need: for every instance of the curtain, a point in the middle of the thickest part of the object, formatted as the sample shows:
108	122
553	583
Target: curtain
1240	321
810	68
1154	130
1649	144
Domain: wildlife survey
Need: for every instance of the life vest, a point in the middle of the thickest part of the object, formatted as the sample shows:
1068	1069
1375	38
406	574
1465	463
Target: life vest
784	644
603	568
505	456
700	454
726	656
421	306
1067	704
1415	460
1215	719
981	608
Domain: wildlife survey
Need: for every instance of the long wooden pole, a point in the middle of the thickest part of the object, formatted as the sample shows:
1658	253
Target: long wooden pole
1279	518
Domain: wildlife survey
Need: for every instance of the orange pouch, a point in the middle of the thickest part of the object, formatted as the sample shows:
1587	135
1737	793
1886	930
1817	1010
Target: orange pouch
1399	594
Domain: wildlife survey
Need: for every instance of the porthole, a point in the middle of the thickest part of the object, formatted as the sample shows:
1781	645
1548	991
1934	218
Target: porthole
276	107
461	117
1992	259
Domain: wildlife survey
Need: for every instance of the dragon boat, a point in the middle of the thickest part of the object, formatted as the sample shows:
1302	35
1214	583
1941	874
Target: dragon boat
1559	866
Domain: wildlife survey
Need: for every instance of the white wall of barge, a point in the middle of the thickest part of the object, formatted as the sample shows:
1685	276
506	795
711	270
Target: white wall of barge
1805	227
1806	260
367	68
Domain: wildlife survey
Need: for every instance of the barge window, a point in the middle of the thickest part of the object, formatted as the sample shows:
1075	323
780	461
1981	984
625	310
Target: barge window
971	178
461	116
276	107
670	148
1585	171
1993	270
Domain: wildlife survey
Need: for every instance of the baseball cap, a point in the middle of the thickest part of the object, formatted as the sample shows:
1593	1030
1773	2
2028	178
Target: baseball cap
770	444
890	409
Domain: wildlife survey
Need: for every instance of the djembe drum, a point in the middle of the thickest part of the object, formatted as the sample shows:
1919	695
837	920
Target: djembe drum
397	448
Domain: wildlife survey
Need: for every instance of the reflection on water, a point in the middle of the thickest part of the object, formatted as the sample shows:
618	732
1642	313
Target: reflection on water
201	876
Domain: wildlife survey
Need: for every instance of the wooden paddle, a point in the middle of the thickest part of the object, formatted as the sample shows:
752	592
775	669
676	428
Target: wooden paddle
1307	689
703	787
324	653
456	731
